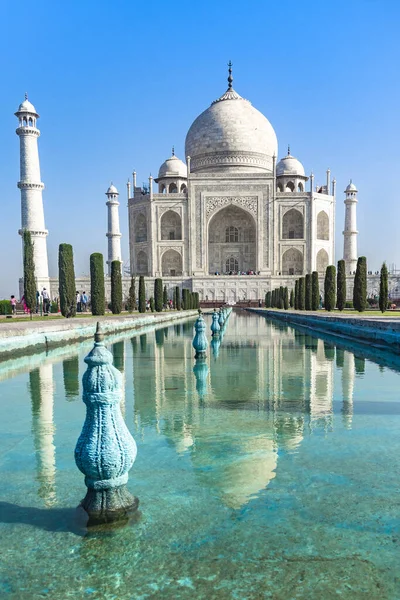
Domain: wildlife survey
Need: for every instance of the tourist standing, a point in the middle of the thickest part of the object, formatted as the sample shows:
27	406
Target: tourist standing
46	300
78	302
13	305
84	301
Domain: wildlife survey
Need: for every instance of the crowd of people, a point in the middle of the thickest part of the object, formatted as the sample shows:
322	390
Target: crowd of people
238	273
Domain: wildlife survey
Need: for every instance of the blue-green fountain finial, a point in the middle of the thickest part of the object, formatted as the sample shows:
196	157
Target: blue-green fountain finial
105	451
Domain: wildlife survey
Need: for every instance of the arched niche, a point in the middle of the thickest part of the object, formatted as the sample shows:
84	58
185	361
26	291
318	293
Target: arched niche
322	261
171	226
322	226
142	263
292	225
140	228
232	235
183	188
289	186
171	263
292	262
279	187
172	188
300	187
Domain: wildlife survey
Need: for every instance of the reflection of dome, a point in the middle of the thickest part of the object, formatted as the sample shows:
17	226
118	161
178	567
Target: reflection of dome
173	167
289	165
27	107
112	190
231	133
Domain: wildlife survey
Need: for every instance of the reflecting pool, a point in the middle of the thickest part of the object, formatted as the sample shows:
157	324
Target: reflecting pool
269	470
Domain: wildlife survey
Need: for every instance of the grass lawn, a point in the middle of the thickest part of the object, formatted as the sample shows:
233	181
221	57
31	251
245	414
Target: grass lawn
351	313
55	317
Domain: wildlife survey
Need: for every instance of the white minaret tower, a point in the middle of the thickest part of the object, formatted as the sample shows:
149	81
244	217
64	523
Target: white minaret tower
114	234
350	229
32	214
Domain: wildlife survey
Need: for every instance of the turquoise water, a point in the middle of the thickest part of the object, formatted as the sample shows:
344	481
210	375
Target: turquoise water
270	471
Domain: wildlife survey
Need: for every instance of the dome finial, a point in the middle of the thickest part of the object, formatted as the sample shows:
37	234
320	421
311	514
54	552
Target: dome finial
26	95
288	150
173	150
230	78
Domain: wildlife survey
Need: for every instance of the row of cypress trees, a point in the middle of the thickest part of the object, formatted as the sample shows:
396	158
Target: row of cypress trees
306	292
278	298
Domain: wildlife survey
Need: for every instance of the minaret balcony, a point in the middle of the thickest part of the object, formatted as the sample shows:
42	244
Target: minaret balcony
27	185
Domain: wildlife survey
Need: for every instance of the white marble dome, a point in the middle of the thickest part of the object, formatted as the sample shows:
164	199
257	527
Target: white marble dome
231	134
173	167
290	166
112	190
27	107
351	187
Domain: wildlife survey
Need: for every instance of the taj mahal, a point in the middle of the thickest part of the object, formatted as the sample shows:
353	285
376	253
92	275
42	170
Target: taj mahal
232	222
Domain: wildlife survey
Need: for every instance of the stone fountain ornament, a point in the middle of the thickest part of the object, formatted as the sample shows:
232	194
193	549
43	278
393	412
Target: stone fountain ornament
221	319
200	343
105	450
215	328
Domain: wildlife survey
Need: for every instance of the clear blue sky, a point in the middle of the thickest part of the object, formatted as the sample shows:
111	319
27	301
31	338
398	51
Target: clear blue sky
118	83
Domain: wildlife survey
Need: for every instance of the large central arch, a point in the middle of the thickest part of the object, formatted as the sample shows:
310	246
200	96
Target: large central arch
232	241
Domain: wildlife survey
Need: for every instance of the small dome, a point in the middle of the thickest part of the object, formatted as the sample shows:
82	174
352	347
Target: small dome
173	167
27	107
289	165
351	187
112	190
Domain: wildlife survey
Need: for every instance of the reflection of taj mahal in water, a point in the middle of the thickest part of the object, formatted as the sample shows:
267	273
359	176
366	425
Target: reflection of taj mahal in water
287	394
233	208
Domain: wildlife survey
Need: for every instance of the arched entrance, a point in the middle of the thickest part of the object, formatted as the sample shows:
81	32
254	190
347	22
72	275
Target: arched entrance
292	262
322	261
171	263
232	241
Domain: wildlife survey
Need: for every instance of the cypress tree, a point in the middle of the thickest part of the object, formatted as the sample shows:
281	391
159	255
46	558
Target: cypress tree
184	299
296	294
273	298
152	304
97	289
281	297
132	304
291	302
142	295
116	287
314	291
177	298
302	293
360	285
197	300
383	289
29	272
341	285
285	298
330	288
165	296
158	294
268	300
66	280
308	284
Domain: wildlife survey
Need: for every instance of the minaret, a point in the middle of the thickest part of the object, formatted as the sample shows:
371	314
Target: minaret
114	235
32	214
350	229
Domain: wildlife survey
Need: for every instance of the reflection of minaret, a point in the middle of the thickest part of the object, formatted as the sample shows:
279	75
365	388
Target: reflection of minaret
118	351
348	374
41	386
71	377
321	385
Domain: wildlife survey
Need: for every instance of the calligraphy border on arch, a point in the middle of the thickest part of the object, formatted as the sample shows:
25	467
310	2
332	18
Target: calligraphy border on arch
214	203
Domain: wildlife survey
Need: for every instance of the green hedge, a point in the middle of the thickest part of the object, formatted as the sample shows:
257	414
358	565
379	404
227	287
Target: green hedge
142	295
360	285
341	285
66	280
97	289
116	287
308	284
314	291
5	307
330	288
